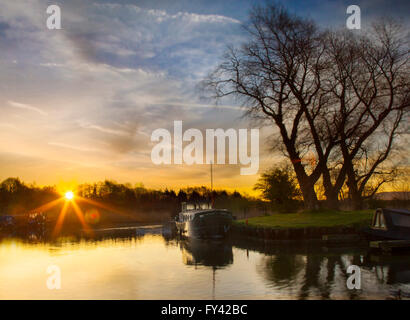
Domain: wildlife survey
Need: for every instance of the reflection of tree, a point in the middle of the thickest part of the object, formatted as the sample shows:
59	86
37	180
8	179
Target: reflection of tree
312	272
282	269
332	263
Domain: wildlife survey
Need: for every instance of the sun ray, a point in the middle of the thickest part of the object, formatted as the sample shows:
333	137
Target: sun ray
104	206
60	219
80	216
48	205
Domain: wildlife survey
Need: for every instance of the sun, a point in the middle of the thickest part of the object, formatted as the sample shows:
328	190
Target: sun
69	195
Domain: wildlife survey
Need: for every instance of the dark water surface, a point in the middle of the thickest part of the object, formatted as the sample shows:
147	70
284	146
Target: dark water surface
147	265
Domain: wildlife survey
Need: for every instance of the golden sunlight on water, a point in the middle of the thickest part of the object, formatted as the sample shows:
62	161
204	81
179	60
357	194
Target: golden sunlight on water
151	267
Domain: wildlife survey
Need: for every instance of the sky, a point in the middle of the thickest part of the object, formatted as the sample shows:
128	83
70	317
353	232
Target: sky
80	104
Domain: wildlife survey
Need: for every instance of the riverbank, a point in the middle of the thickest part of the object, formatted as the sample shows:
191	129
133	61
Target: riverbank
305	225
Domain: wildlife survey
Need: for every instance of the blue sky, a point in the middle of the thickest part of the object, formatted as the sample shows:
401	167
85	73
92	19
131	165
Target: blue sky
81	103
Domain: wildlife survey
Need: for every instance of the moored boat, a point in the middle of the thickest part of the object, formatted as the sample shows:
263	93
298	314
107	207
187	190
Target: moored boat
392	224
203	221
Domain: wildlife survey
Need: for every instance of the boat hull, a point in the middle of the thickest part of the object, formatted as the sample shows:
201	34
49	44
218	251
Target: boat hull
209	225
373	234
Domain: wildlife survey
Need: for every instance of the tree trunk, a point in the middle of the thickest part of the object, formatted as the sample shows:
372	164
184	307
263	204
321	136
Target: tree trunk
332	200
307	186
356	198
354	193
331	191
309	197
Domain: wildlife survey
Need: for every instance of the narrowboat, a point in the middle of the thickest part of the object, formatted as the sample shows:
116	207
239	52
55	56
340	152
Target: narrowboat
202	221
392	224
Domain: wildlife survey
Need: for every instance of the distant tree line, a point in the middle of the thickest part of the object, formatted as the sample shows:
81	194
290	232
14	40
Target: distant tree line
137	201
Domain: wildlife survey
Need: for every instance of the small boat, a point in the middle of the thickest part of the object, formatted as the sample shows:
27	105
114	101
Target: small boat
7	223
202	221
392	224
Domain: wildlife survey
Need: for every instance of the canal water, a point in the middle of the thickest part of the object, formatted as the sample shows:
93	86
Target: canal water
148	265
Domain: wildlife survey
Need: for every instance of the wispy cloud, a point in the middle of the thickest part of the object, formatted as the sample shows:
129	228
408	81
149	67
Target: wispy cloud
115	73
117	132
77	148
162	15
27	107
197	105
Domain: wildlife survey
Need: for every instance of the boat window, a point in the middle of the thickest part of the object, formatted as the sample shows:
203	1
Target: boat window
379	221
382	220
376	222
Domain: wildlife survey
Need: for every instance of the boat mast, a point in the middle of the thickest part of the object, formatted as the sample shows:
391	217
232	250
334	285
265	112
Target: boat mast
212	179
213	282
212	186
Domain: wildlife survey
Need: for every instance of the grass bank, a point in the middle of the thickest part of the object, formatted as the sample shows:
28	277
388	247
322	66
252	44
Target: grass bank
311	220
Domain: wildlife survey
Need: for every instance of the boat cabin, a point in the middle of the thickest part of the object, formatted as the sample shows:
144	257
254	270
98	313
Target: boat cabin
200	220
195	206
189	210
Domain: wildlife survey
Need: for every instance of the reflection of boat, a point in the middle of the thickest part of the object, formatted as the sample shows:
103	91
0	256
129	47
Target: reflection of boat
215	254
201	221
390	269
207	253
390	224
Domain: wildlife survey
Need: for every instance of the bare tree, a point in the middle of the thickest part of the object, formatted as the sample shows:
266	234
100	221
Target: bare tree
276	76
369	84
328	93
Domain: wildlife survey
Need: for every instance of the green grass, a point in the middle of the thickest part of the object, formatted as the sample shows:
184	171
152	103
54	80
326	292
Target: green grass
312	219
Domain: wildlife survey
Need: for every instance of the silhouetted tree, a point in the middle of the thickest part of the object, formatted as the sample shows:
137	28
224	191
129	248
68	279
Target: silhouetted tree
331	95
279	187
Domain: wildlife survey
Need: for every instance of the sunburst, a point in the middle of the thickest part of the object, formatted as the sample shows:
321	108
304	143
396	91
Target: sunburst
69	198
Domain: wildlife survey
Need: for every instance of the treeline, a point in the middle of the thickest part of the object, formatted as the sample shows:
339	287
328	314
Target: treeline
137	203
17	197
146	200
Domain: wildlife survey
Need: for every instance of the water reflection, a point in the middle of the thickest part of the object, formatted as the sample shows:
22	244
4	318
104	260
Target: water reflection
310	275
150	263
216	254
311	271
